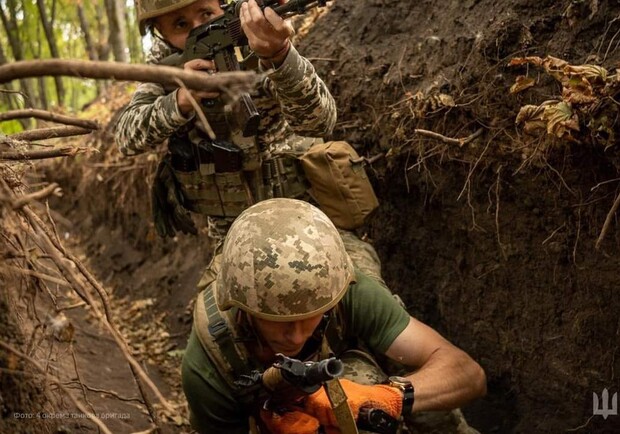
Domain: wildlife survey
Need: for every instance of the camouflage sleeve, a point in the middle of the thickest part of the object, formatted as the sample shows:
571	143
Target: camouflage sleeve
151	116
306	103
149	119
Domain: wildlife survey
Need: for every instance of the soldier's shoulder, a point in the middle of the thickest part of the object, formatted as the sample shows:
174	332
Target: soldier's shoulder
158	51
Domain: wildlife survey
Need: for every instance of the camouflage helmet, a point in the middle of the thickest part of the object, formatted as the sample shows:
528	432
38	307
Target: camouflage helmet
147	9
283	260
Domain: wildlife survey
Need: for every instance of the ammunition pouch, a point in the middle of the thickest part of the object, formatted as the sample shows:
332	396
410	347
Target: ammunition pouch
282	176
213	181
339	183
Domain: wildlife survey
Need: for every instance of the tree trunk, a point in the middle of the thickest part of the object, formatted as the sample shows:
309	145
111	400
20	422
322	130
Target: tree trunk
8	96
51	41
115	10
90	46
10	26
103	47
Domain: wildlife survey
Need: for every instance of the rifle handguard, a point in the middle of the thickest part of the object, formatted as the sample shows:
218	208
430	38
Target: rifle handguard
306	376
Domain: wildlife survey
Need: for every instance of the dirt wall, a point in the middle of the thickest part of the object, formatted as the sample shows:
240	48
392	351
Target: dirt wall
494	248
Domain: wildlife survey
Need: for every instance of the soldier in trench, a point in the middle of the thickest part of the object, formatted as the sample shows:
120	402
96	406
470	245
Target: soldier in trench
295	107
287	286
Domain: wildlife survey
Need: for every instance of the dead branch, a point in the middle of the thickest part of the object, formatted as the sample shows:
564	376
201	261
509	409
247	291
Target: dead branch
37	195
66	266
608	219
54	380
459	142
37	274
165	75
50	133
48	116
203	119
63	151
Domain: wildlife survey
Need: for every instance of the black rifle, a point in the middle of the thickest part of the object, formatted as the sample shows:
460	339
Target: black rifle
216	40
290	379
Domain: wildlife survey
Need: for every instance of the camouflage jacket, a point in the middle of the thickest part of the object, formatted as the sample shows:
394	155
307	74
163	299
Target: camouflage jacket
292	101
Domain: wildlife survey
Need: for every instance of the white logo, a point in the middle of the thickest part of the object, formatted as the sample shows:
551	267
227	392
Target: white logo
603	409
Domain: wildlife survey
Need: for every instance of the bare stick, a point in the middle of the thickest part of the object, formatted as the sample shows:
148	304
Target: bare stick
198	110
50	133
610	216
64	151
105	392
48	116
37	195
54	380
450	140
166	75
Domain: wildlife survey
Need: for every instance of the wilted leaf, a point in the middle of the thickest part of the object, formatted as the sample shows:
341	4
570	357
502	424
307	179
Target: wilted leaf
534	127
533	60
560	119
532	112
446	100
522	82
592	73
554	67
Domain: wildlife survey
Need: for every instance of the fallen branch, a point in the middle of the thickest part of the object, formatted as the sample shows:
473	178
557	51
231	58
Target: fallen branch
37	195
166	75
48	116
54	380
50	133
608	219
64	151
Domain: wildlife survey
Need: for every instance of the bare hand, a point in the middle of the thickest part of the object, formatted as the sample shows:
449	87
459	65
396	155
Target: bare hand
184	95
267	33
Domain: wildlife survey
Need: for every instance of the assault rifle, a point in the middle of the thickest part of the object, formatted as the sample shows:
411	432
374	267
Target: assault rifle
289	380
216	40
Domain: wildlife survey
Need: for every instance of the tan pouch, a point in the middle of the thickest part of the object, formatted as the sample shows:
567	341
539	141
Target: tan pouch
339	183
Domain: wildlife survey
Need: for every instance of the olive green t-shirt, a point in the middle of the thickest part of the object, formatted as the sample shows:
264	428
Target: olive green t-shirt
372	316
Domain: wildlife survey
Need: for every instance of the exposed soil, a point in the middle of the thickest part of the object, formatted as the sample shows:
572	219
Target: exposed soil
491	242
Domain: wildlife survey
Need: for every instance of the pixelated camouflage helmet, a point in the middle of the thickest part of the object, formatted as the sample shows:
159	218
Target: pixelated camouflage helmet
283	260
147	9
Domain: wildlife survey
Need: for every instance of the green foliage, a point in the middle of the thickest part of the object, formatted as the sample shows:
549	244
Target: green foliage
71	42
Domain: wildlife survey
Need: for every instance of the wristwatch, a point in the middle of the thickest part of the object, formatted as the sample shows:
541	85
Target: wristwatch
406	387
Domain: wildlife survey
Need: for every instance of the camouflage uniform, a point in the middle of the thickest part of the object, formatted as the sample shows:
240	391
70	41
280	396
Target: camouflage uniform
293	103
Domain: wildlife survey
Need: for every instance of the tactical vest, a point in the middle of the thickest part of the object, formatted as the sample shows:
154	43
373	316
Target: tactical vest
221	179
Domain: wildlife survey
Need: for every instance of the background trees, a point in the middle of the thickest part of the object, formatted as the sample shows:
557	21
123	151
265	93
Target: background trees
68	29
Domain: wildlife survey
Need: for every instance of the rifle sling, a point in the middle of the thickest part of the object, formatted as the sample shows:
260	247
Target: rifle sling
342	411
219	331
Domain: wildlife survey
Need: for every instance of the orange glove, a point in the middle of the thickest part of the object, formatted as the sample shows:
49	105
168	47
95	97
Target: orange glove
386	398
291	422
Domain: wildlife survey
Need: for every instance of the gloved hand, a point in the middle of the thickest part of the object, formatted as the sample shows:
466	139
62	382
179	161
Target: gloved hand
290	422
169	215
386	398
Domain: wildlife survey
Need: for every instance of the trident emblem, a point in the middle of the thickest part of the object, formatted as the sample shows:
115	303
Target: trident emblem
603	409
